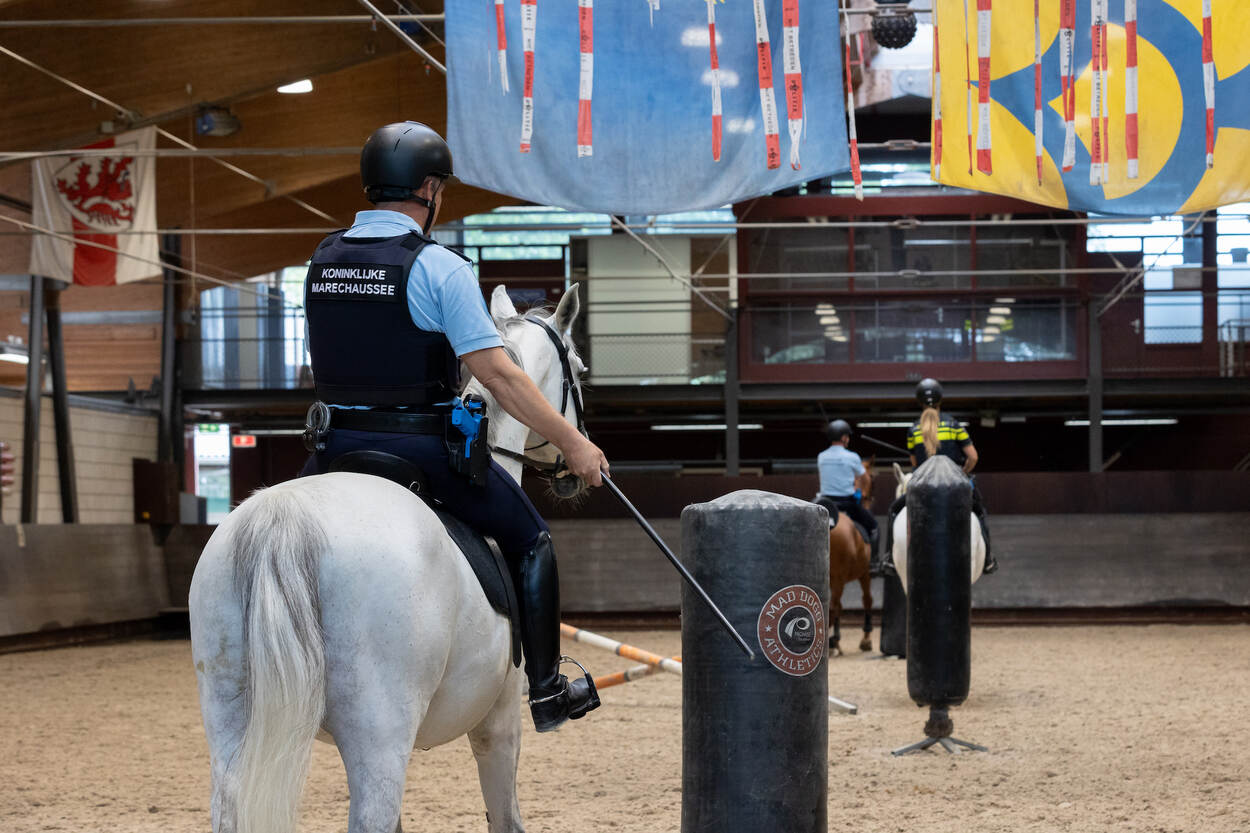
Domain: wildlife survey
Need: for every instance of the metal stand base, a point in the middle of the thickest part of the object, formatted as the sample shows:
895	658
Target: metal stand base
938	730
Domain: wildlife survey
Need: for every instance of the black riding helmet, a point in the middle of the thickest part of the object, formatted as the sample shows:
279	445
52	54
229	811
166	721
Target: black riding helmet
928	392
398	158
837	429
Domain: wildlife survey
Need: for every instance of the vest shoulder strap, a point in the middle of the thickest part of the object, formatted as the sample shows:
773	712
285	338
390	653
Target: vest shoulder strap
331	238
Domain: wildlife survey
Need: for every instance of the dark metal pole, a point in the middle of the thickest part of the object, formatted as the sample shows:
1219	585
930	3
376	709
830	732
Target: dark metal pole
167	444
884	444
66	472
732	455
690	580
34	383
1095	388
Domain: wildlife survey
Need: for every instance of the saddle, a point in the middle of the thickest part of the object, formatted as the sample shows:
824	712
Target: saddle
834	512
481	552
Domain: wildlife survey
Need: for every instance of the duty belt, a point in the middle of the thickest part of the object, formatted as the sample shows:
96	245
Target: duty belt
392	422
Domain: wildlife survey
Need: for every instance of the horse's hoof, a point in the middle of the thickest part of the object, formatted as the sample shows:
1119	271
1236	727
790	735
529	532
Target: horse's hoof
865	645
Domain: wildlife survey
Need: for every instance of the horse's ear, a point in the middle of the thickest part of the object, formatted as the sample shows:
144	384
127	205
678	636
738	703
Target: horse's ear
899	477
567	310
501	307
870	462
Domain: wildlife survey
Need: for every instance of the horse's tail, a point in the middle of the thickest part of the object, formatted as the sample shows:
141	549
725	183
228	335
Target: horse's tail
278	544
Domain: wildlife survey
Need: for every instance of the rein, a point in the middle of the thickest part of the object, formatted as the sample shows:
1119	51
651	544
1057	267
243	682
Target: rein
569	390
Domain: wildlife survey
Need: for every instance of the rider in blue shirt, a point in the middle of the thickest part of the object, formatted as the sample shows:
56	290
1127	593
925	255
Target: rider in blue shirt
391	314
842	479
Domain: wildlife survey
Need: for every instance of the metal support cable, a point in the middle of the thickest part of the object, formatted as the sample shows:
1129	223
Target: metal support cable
16	155
403	36
238	285
100	22
131	115
1134	277
688	283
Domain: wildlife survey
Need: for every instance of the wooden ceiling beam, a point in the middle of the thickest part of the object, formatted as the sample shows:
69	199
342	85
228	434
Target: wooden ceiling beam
160	71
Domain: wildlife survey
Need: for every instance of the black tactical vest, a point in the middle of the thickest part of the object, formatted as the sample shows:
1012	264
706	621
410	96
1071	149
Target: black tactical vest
365	348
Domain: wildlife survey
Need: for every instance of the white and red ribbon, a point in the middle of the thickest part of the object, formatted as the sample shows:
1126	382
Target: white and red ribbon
968	86
586	76
768	100
529	24
984	12
856	173
1208	80
1067	78
937	106
1103	61
501	37
717	121
793	76
1037	89
1097	30
1130	86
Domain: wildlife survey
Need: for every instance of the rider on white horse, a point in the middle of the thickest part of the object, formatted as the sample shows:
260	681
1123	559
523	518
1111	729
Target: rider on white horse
938	434
386	362
842	480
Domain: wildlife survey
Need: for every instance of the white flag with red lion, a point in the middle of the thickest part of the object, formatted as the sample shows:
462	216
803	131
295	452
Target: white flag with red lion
101	210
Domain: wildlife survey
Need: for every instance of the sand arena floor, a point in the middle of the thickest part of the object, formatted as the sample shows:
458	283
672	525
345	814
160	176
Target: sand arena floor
1090	729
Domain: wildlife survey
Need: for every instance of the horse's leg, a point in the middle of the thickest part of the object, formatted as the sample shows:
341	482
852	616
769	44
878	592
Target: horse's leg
835	618
375	729
220	666
496	744
865	585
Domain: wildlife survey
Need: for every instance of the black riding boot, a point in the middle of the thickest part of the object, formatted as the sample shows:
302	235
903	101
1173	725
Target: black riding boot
553	699
991	564
885	566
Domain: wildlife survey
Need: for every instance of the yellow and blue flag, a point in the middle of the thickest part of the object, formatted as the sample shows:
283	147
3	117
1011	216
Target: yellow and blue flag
1148	100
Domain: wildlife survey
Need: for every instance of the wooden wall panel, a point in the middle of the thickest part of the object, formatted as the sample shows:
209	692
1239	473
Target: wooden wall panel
104	444
66	576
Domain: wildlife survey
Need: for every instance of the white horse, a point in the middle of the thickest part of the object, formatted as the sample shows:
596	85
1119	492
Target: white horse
336	607
900	535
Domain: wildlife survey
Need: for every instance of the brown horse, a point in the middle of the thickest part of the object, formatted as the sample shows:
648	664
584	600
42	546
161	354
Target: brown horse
849	555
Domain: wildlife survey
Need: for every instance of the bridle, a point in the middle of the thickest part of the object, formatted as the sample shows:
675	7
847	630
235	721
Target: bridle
569	390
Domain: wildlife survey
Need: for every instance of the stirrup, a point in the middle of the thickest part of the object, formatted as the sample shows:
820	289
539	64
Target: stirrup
572	701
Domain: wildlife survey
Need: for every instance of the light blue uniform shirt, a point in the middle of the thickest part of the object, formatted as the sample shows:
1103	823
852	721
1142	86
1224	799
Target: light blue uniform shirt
443	292
839	466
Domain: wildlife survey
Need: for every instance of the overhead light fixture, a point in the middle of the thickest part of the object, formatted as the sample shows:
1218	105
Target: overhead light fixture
830	319
825	309
1004	300
995	319
1084	423
303	86
885	425
710	426
991	330
1000	310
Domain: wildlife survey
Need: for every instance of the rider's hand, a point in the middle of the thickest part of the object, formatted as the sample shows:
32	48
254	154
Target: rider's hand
586	461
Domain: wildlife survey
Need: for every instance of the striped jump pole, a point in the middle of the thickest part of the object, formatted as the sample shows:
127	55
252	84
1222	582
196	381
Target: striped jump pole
650	662
620	648
628	675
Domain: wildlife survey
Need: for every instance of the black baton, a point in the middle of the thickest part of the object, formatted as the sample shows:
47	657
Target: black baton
659	542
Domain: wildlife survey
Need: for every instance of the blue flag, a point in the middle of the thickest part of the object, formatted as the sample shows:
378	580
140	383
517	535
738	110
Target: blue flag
620	111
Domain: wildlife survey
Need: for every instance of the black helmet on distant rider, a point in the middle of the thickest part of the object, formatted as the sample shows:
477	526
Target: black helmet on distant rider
837	429
929	393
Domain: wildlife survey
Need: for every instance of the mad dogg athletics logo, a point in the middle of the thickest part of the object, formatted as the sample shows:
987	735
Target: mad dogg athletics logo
791	630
